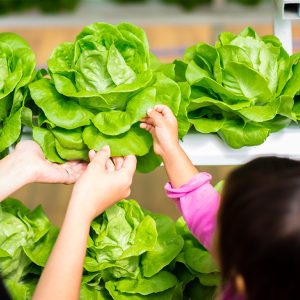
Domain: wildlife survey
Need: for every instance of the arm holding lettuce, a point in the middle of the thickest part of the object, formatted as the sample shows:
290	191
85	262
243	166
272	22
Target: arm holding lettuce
162	124
195	197
27	164
100	186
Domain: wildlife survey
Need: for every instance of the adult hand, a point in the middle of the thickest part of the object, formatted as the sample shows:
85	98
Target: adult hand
29	158
104	182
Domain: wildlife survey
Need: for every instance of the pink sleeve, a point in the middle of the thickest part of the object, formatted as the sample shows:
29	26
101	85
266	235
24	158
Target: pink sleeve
198	203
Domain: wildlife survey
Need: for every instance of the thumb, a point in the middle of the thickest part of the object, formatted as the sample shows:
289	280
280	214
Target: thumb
157	118
130	164
102	156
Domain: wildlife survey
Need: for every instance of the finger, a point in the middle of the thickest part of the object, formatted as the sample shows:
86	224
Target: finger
118	161
110	167
129	164
164	110
102	156
66	175
148	127
92	154
149	121
156	118
73	163
78	169
75	170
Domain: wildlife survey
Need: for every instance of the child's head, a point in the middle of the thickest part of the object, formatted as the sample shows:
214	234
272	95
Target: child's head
259	228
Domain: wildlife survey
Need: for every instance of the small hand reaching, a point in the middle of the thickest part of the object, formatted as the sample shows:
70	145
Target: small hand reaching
162	124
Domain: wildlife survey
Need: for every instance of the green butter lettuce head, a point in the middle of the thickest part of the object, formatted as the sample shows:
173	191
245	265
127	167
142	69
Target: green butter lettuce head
131	254
104	64
26	240
17	69
242	88
101	86
130	250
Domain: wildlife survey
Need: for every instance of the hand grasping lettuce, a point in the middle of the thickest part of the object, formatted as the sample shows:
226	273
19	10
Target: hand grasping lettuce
101	86
17	69
243	88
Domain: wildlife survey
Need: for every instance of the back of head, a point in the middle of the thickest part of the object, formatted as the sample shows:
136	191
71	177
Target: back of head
259	228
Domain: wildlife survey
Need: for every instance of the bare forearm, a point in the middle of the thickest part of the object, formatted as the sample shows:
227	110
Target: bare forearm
12	175
61	277
178	166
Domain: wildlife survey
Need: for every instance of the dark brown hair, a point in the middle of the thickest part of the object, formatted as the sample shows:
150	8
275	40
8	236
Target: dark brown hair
259	228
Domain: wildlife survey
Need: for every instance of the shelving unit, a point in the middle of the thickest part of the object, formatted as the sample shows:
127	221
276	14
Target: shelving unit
209	149
203	149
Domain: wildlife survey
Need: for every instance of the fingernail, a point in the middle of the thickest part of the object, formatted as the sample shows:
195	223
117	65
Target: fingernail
106	148
149	110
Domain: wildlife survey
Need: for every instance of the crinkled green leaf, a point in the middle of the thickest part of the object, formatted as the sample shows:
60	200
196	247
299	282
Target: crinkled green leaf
148	162
144	240
134	141
145	286
88	292
40	250
238	134
167	247
200	260
55	105
46	140
117	295
11	130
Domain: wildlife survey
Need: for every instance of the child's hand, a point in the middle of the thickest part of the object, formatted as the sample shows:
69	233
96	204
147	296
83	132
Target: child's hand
103	183
29	157
162	124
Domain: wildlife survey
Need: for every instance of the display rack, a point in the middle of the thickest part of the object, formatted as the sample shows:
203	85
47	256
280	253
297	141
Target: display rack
209	149
203	149
285	11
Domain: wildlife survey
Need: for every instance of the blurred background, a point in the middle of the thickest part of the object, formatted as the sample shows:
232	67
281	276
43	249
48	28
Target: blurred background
171	26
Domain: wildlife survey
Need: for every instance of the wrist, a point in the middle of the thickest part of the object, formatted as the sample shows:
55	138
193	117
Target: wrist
78	213
24	169
81	205
171	153
17	168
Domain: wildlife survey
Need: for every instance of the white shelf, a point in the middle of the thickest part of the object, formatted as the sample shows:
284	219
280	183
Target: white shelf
144	13
209	149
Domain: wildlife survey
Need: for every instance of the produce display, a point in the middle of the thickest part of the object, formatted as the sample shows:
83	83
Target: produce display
243	88
131	254
101	86
98	88
17	70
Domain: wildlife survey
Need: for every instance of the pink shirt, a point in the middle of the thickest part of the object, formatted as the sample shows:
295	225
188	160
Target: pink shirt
199	203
